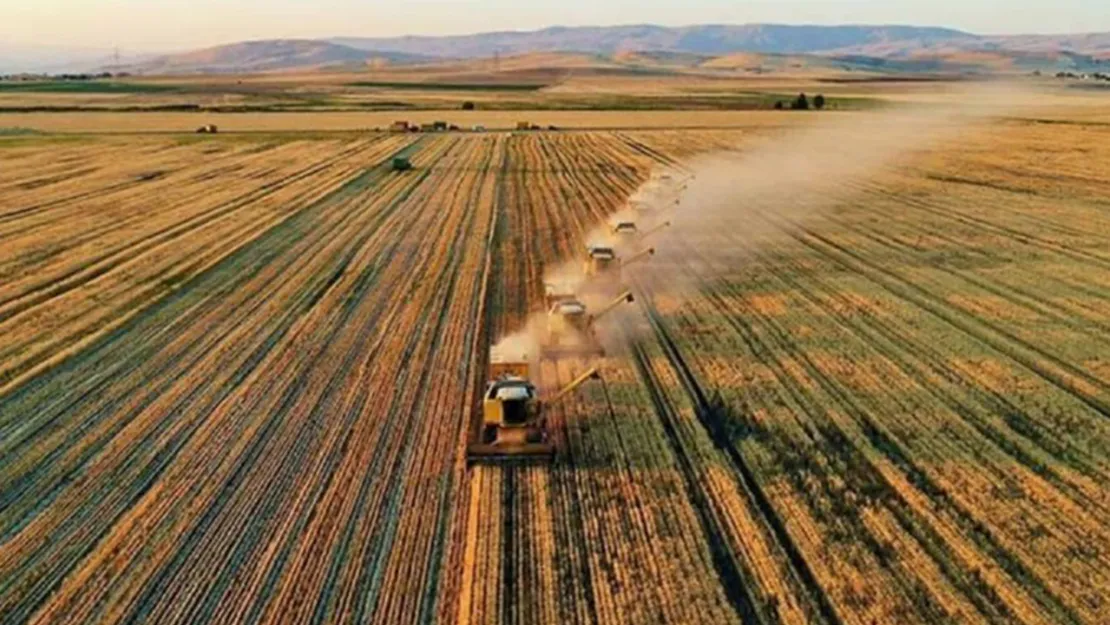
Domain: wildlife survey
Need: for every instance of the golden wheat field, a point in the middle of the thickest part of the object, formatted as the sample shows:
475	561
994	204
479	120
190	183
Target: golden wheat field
237	375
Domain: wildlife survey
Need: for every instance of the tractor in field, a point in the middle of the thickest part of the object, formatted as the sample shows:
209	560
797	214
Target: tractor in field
571	328
401	163
512	426
208	129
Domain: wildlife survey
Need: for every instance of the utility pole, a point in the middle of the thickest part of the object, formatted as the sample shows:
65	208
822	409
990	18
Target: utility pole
496	60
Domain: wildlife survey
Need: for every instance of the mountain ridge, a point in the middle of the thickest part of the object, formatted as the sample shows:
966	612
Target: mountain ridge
701	39
268	55
935	48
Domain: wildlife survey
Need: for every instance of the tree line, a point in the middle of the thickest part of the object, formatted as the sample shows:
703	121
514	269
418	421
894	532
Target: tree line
802	103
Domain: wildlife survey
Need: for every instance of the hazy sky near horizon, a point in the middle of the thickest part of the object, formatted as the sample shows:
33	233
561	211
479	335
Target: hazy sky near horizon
179	24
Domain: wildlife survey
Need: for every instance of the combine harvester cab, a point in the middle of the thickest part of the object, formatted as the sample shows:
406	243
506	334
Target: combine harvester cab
512	427
601	263
625	231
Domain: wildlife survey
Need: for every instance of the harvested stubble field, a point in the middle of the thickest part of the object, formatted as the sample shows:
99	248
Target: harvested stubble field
235	378
340	121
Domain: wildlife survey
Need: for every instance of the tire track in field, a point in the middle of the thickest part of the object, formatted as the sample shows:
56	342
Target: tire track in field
1056	371
168	160
99	265
917	360
736	581
885	442
984	598
920	360
276	236
159	594
314	299
137	301
133	189
991	227
820	605
1016	295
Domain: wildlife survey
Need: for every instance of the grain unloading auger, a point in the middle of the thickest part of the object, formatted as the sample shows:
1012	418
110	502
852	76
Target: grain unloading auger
570	328
513	426
655	230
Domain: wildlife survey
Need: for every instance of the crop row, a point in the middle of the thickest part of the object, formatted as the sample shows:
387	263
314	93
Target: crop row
237	377
917	396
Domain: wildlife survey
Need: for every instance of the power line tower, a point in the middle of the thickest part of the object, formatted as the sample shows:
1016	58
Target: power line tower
115	57
496	59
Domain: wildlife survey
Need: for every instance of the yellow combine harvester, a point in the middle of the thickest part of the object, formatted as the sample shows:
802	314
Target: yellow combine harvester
603	265
628	232
570	328
513	427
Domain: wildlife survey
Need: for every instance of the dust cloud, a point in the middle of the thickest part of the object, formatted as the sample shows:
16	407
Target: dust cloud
734	203
724	206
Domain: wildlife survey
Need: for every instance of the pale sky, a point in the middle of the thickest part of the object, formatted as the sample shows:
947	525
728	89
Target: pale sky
180	24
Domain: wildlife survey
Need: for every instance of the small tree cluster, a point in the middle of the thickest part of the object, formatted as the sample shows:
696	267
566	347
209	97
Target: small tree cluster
802	103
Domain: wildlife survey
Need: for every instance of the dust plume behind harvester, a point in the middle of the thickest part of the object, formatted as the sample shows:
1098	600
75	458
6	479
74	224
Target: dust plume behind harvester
513	426
661	192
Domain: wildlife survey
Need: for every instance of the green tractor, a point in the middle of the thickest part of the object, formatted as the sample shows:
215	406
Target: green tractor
401	163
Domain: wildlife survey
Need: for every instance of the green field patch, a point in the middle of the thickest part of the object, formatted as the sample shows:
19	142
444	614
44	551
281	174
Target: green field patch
79	86
18	131
36	137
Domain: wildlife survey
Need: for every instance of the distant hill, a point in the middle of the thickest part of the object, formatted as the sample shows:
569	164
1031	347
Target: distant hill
711	39
646	47
270	55
1007	53
15	58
